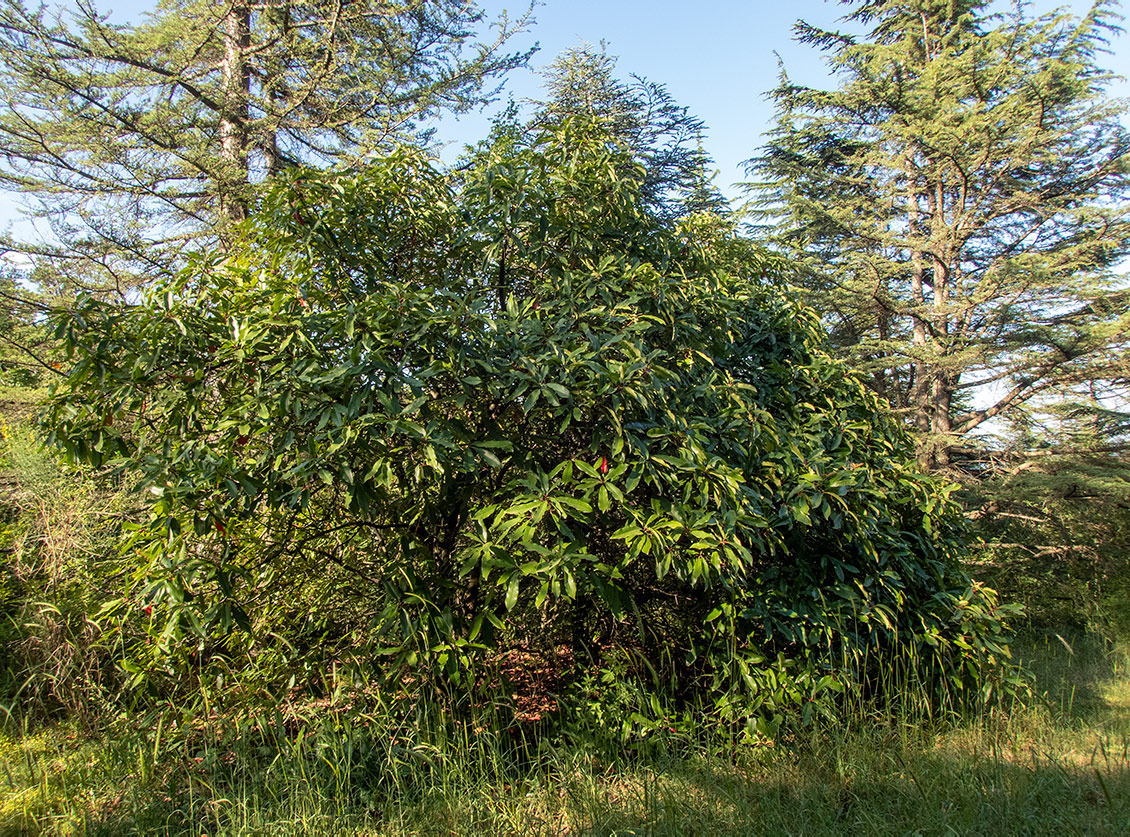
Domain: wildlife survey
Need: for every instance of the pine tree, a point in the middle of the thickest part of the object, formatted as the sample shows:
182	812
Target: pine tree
958	207
662	137
134	141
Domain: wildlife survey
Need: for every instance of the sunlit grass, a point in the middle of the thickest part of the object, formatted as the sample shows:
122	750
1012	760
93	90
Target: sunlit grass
1058	766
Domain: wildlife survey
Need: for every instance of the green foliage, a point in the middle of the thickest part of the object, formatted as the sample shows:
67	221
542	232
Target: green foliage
25	344
658	134
958	205
57	532
1054	534
139	141
414	421
1059	766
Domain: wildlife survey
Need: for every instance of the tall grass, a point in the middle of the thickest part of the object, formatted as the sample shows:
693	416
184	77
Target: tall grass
1059	765
57	528
613	760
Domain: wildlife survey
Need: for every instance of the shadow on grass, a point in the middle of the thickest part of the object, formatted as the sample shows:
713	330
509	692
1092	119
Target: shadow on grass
862	785
1062	770
1079	676
870	792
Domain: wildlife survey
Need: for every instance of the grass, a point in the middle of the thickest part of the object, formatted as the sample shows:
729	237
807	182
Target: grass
1058	766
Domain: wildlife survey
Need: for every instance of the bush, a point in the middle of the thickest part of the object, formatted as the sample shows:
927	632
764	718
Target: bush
58	530
1054	535
416	419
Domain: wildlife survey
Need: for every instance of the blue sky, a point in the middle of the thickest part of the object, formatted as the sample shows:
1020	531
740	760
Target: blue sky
717	57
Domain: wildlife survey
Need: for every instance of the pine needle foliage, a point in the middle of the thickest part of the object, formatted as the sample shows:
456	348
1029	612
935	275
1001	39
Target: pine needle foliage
659	134
959	204
135	142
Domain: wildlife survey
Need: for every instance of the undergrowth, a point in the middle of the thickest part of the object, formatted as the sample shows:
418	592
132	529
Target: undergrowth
1059	765
608	757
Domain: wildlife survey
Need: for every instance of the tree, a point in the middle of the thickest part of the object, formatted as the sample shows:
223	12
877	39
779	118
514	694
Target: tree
661	136
138	141
416	419
24	336
958	205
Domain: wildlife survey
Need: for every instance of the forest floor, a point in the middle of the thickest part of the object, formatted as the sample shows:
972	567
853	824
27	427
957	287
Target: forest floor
1059	766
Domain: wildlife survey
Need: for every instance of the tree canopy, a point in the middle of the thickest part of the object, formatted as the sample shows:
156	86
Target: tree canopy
660	135
137	142
959	205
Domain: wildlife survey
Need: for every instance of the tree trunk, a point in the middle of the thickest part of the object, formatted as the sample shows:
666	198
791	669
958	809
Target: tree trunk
942	402
274	87
944	378
920	394
231	185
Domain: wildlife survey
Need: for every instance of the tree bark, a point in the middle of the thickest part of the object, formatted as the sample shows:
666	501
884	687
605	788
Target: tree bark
234	116
941	397
920	394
